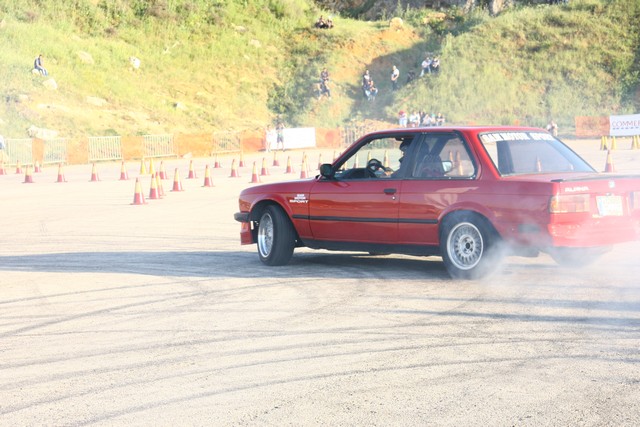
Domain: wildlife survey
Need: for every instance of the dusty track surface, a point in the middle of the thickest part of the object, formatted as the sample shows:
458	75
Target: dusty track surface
120	314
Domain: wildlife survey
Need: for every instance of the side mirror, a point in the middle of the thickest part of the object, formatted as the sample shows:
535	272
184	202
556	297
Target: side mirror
326	170
447	165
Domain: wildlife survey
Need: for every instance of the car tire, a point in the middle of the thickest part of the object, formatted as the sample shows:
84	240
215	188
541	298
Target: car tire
468	245
276	237
576	257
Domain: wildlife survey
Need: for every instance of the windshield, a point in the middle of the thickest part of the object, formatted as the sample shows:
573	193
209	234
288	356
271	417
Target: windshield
530	152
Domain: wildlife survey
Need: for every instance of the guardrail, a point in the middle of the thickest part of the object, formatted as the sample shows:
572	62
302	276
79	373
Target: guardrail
19	150
55	151
225	142
102	148
158	146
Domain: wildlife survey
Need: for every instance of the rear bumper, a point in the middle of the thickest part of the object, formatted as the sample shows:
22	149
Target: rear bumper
595	233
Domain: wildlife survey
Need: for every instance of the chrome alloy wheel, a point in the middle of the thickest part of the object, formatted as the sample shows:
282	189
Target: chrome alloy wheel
465	246
265	235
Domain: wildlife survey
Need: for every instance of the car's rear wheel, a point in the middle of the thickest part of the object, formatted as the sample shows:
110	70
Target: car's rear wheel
467	245
276	237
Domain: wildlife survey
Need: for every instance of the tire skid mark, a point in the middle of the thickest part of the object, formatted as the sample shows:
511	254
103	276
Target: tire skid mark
111	415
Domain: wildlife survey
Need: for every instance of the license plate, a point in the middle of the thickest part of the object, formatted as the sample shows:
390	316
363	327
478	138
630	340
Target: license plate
609	205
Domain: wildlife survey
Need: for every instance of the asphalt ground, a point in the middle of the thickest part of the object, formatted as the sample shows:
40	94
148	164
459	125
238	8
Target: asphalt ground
113	313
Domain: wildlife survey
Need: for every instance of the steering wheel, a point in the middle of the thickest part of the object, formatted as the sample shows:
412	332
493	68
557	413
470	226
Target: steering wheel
374	165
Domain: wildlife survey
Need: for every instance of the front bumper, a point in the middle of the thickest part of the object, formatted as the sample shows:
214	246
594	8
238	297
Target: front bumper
241	216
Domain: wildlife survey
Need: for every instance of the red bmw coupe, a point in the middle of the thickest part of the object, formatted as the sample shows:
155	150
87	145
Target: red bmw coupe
463	193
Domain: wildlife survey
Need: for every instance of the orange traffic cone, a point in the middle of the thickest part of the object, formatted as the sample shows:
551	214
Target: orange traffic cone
192	173
241	164
355	163
264	171
153	192
208	182
386	159
303	169
37	168
608	167
319	160
18	169
289	167
61	177
138	197
276	162
538	165
459	168
143	167
163	173
160	186
177	184
94	174
28	179
216	163
124	175
254	175
3	171
152	168
234	170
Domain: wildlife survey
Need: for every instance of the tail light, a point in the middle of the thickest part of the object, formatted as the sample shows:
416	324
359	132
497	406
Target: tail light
571	203
634	200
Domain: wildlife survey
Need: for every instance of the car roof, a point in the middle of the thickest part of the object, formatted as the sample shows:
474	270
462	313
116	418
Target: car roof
463	129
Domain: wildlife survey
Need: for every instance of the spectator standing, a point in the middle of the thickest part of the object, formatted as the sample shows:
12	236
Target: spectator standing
366	79
324	83
280	134
426	66
440	119
552	128
414	119
395	75
402	118
3	156
435	65
38	64
271	138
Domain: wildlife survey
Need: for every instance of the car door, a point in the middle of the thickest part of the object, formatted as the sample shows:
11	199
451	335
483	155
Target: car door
442	172
355	207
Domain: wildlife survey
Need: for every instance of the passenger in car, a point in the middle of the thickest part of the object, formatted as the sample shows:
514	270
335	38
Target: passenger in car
430	167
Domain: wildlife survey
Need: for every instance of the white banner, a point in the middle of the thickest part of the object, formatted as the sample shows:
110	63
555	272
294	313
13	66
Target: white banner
295	138
624	125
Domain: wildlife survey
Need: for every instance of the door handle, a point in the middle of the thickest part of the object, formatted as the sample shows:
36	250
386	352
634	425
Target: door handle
390	191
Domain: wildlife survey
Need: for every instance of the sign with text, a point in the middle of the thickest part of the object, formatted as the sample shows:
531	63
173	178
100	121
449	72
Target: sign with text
628	125
295	138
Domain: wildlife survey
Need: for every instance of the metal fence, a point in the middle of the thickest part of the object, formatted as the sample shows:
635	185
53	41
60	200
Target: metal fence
105	148
158	146
226	142
55	151
19	151
351	132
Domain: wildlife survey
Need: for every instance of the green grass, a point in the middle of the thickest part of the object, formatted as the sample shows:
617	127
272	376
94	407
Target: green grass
234	65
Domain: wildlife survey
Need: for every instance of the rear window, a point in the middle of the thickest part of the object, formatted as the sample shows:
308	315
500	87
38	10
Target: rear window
522	152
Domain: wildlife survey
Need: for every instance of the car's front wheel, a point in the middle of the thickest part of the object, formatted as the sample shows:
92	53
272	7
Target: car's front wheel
276	237
467	244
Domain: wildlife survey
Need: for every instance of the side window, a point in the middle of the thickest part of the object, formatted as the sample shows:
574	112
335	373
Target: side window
442	156
379	158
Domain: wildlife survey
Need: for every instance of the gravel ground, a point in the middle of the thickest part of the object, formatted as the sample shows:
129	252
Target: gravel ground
120	314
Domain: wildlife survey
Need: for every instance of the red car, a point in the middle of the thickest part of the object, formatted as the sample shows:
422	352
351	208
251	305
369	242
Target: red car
463	193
